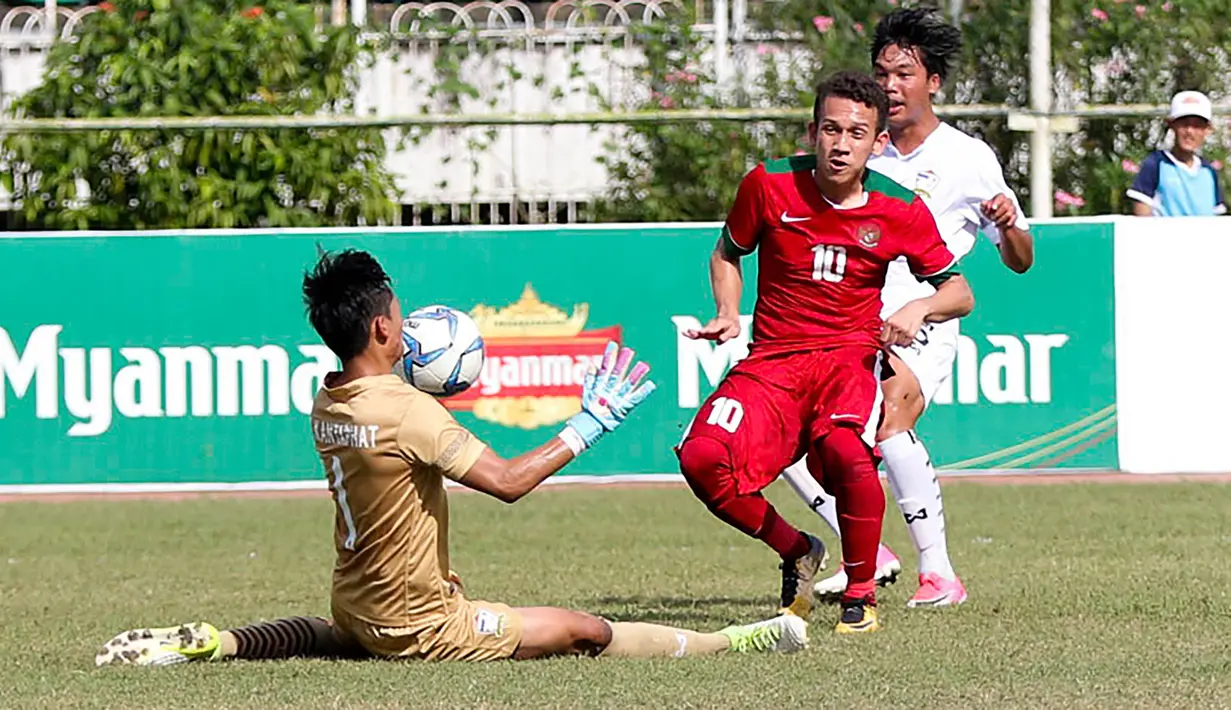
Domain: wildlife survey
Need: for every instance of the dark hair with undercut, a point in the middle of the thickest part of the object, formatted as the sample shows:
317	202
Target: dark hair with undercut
858	87
343	293
924	31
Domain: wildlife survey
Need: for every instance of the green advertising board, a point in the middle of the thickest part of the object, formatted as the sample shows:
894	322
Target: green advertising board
1034	385
151	358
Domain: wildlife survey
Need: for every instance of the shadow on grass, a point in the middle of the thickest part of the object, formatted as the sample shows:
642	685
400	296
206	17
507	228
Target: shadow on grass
686	612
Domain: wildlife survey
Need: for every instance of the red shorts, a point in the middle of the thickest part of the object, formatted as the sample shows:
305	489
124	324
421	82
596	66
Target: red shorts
768	410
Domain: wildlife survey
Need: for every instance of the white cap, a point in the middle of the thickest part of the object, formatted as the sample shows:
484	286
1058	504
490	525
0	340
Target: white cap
1191	103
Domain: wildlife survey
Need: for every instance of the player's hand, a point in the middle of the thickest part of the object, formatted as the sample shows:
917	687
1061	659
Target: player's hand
609	394
1000	209
611	391
720	329
902	327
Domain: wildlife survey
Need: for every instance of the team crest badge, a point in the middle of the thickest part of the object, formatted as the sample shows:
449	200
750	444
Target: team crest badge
869	235
925	183
489	623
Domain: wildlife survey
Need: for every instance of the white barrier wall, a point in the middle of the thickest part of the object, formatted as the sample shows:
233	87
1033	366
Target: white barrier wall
1173	339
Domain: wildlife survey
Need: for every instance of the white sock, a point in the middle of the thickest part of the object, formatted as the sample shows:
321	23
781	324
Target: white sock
818	500
917	491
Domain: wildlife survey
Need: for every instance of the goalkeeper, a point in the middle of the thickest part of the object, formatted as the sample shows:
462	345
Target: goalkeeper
386	449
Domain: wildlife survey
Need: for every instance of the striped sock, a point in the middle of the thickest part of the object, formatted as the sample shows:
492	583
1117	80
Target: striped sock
282	638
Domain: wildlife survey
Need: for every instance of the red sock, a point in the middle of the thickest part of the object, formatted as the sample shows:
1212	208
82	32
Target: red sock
861	508
707	469
789	543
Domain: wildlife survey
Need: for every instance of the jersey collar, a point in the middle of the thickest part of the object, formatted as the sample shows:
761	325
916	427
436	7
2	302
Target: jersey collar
907	156
1193	167
816	190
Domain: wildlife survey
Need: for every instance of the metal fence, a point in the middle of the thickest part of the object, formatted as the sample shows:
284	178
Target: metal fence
536	31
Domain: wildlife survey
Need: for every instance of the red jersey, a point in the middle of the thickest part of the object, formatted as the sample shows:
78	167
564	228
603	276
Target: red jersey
821	267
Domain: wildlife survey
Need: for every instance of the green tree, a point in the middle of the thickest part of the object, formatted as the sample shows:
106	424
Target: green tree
684	171
1107	52
199	58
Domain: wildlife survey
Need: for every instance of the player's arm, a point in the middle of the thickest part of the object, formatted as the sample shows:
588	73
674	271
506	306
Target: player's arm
1016	248
1145	186
510	479
1220	204
953	299
931	261
727	282
609	394
1002	213
739	238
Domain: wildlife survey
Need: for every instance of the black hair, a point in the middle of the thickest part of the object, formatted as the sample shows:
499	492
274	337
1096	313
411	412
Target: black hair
858	87
923	30
342	294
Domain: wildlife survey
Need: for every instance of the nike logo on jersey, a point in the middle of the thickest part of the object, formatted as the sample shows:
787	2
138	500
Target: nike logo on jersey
788	219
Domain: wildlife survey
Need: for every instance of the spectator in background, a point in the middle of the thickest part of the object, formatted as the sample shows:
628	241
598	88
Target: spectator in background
1179	182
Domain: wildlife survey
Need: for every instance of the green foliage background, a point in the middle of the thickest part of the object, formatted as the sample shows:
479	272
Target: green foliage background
204	57
1111	51
233	57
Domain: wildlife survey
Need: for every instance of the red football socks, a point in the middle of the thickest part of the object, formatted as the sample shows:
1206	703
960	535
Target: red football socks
850	473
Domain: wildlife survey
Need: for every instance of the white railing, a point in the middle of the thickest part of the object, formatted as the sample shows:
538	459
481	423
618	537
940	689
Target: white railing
545	146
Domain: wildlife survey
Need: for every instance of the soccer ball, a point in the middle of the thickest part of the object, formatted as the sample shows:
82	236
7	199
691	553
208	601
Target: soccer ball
443	351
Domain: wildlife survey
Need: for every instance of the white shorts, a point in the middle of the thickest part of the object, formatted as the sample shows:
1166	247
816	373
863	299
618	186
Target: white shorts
930	357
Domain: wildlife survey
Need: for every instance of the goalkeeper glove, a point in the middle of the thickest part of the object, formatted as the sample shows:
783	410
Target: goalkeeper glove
609	394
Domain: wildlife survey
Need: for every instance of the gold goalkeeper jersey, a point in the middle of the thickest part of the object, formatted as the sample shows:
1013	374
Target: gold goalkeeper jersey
387	449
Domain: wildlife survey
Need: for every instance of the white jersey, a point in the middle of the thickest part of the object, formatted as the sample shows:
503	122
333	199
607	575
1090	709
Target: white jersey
954	173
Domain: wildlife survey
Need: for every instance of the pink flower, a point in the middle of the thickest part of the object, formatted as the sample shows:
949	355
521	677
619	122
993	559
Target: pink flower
1167	7
766	49
1140	10
859	27
1065	199
1116	67
1217	165
665	101
822	23
1098	15
1129	166
893	3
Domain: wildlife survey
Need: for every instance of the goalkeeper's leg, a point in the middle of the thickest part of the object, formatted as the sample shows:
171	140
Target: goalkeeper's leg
552	632
299	636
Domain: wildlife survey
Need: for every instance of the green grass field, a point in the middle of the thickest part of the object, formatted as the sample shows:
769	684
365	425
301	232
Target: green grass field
1082	595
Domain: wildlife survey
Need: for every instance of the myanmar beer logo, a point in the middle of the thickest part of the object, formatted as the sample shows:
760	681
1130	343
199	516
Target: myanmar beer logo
537	357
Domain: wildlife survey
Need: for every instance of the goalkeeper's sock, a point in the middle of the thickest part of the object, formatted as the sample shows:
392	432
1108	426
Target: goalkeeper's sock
639	640
281	638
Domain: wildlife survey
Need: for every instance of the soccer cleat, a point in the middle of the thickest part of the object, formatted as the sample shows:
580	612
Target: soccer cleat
797	576
858	617
935	591
888	567
782	634
197	641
